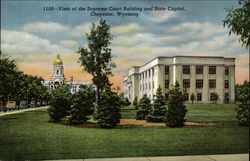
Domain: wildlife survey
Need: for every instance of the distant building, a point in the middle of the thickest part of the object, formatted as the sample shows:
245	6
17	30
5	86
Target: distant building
201	75
59	79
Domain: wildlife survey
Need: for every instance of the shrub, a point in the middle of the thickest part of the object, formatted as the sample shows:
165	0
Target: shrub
159	108
144	108
126	102
60	103
82	106
243	104
108	110
176	110
192	97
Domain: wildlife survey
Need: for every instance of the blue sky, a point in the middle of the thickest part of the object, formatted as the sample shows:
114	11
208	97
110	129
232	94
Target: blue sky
34	37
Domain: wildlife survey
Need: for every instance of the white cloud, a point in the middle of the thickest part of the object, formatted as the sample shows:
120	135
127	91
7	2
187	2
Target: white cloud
69	43
81	29
45	27
22	42
126	29
161	16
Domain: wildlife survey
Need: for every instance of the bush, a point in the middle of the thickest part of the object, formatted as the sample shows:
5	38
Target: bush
108	110
60	103
144	108
126	102
243	103
176	110
82	106
159	108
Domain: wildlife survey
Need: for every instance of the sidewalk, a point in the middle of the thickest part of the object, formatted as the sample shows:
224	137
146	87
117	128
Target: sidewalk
21	110
224	157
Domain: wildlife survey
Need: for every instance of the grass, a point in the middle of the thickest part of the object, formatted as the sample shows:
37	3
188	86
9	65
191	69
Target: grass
29	136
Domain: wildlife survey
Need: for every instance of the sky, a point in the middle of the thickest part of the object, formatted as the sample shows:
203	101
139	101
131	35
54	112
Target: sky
33	37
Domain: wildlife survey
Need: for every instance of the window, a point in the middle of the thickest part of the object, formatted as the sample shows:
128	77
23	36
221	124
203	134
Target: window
140	88
212	83
153	72
57	71
149	73
143	87
212	95
226	84
166	83
226	98
186	83
199	83
166	69
145	74
199	96
199	69
149	85
226	70
212	69
186	69
186	97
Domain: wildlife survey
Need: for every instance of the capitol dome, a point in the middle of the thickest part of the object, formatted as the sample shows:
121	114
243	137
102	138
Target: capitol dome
58	60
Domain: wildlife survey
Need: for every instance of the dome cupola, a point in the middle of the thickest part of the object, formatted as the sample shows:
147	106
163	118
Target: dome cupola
58	60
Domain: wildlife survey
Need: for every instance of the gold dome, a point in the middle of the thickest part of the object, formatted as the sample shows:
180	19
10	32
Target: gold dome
58	60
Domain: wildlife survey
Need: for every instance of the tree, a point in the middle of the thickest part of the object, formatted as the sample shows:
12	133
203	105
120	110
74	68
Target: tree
243	103
192	97
159	108
176	110
135	103
108	110
126	101
96	59
238	22
144	108
82	106
60	103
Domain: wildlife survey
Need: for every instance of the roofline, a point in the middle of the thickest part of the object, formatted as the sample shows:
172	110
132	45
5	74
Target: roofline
188	57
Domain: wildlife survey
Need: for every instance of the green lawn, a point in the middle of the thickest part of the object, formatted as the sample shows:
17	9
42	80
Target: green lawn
29	136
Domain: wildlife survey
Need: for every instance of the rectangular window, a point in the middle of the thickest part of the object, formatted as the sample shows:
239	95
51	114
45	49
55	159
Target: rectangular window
186	83
199	69
199	96
226	98
186	69
140	88
199	83
212	69
212	83
166	83
212	96
149	85
226	84
186	97
149	73
226	70
166	69
153	72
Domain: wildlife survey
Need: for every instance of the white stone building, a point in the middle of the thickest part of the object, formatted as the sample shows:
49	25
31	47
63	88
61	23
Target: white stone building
201	75
59	79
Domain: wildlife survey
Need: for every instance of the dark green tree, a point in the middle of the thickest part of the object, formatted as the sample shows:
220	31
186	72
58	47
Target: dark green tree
238	22
192	97
158	113
82	106
60	103
96	59
144	108
135	103
108	110
243	103
176	110
126	101
215	98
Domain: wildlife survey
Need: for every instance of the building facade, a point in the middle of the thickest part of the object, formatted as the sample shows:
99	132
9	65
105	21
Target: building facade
58	78
202	76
